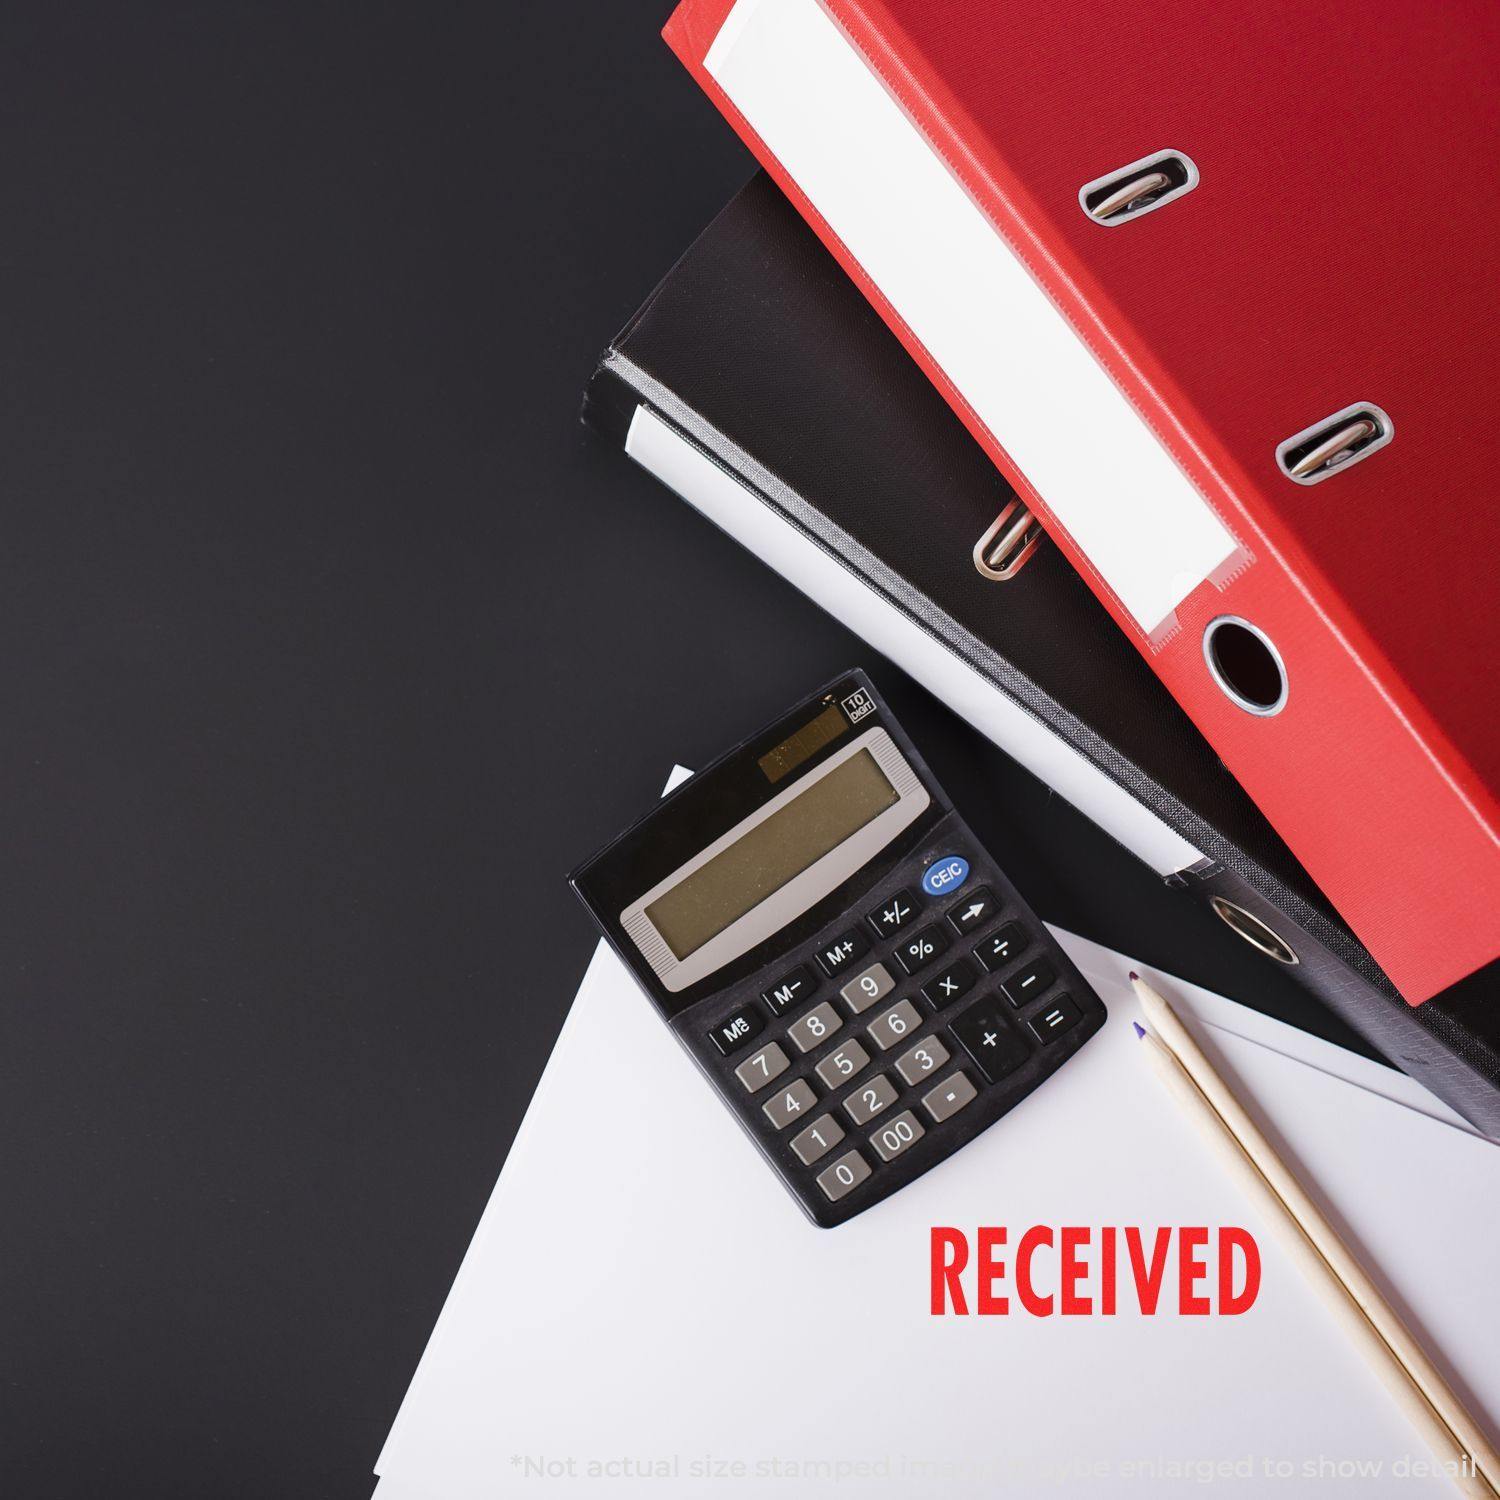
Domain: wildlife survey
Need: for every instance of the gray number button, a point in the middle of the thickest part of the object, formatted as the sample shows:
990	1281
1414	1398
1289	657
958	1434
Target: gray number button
896	1135
870	1098
790	1103
820	1022
895	1025
949	1097
916	1063
842	1064
817	1139
761	1067
865	989
843	1176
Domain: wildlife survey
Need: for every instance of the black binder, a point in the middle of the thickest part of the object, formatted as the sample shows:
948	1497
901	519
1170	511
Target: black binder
758	382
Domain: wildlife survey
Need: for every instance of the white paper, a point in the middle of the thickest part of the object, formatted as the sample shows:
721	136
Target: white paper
641	1288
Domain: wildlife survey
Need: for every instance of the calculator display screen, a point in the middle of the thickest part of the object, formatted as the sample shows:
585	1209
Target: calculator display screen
771	853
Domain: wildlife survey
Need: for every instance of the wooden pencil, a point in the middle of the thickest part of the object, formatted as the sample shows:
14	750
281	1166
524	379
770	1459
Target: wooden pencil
1366	1317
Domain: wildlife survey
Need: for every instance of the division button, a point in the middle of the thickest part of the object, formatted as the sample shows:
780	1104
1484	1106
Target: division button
1030	983
875	983
999	949
791	990
976	910
732	1034
790	1103
921	949
897	1135
817	1140
949	1097
843	1176
989	1040
761	1067
892	914
842	952
819	1023
917	1062
1062	1015
952	984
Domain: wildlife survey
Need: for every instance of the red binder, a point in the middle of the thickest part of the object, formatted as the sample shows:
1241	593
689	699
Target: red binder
1237	266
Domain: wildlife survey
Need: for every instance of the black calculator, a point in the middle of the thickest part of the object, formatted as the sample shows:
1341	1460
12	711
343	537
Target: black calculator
840	955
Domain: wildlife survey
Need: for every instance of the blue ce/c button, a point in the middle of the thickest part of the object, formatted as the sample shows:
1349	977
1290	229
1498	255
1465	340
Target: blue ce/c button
945	874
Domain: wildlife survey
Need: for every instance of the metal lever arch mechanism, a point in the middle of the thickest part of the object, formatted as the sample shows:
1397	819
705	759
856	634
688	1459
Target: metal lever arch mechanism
1002	551
1334	444
1130	192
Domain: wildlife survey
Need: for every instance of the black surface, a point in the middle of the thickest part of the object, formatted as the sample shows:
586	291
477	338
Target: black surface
331	642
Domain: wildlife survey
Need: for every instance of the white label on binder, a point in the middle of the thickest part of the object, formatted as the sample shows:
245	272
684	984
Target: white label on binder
987	324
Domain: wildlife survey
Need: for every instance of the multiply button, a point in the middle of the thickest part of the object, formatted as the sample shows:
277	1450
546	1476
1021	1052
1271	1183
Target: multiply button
729	1036
842	952
989	1040
920	950
997	951
952	984
791	990
973	911
892	914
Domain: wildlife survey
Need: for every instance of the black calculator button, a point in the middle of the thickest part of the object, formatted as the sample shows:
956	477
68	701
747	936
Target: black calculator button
761	1067
790	1104
729	1036
901	1021
870	1098
894	913
921	949
997	951
897	1135
1062	1015
916	1063
843	1176
792	990
1030	983
842	952
952	984
842	1064
872	984
817	1025
950	1096
976	910
989	1040
815	1141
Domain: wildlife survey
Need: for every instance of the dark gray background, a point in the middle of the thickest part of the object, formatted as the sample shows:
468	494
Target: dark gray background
330	642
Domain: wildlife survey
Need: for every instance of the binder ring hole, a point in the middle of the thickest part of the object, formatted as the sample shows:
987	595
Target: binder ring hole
1255	932
1246	666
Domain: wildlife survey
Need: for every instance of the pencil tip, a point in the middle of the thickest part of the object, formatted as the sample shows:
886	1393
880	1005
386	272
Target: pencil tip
1139	1029
1134	976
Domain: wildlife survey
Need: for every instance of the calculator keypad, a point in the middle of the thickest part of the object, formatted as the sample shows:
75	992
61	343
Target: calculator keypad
955	992
814	1142
816	1026
873	984
790	1104
895	1025
895	1136
842	1064
921	949
843	1176
841	953
926	1057
869	1099
790	990
761	1067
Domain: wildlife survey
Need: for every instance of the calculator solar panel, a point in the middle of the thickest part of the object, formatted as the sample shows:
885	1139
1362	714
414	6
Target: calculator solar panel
842	958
